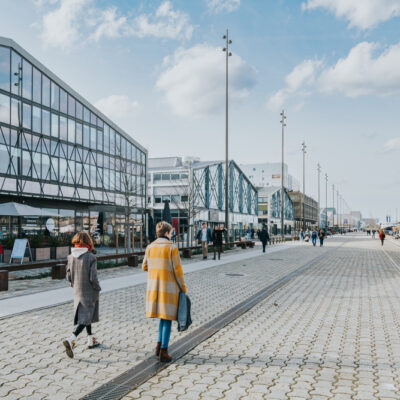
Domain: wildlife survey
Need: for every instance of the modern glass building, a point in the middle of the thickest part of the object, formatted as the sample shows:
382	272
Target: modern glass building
57	151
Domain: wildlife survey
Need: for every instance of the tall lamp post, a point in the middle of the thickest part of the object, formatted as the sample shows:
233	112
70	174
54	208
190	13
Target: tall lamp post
228	54
319	195
303	149
326	200
333	205
337	206
282	174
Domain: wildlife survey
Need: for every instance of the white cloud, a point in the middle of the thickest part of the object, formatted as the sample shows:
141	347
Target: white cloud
166	23
303	75
61	26
193	82
117	106
362	14
362	72
391	145
74	21
218	6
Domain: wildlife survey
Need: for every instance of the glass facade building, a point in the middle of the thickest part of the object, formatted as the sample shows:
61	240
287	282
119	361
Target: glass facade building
58	151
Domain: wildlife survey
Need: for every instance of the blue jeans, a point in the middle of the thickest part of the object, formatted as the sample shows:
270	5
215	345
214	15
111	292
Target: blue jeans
164	332
314	241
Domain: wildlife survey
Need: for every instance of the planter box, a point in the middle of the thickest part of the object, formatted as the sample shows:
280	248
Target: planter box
7	255
41	253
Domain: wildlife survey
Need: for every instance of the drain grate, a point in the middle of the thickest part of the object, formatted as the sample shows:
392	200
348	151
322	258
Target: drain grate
229	274
275	259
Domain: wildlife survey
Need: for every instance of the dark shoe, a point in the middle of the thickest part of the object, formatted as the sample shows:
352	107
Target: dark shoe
164	356
69	348
157	349
204	258
214	258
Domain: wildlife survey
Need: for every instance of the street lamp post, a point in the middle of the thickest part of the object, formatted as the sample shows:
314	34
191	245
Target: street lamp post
282	175
319	195
228	54
337	206
333	206
326	200
303	149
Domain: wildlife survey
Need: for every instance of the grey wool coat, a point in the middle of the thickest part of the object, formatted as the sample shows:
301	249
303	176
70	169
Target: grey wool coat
82	275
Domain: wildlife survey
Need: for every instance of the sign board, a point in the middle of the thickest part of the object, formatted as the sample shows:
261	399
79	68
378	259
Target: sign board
19	249
213	216
50	224
276	176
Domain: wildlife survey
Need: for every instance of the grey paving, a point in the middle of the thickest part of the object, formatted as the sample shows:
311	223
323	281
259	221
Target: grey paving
32	361
335	334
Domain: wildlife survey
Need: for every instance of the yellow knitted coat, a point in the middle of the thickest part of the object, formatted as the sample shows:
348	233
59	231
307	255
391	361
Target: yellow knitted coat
162	290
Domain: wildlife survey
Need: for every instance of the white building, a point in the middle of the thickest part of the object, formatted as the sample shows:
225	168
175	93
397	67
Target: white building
269	174
196	192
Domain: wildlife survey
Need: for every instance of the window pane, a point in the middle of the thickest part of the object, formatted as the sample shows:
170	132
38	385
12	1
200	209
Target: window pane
63	128
55	96
26	113
106	138
4	109
45	122
26	79
79	110
36	119
37	83
45	91
165	177
86	115
71	106
4	68
112	141
100	140
86	136
63	101
26	163
92	138
15	68
14	112
78	133
93	119
54	125
71	130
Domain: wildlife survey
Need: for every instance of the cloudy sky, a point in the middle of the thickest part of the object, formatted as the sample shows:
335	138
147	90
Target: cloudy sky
157	69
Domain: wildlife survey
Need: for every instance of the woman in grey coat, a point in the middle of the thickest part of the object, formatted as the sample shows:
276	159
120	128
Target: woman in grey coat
82	275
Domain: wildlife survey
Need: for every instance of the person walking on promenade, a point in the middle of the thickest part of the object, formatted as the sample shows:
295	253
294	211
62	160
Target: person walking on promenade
173	236
217	238
164	281
321	237
301	234
382	236
82	275
314	236
373	233
264	237
203	238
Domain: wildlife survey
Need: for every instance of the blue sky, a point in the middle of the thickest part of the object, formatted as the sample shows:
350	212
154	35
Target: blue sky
157	69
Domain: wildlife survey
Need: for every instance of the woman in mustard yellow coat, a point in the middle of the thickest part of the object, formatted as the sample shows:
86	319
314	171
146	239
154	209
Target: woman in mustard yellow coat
164	280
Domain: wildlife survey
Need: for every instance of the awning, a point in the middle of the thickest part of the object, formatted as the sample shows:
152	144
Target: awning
12	209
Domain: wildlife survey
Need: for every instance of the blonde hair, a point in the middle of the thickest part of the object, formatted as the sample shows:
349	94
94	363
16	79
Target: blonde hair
162	228
83	238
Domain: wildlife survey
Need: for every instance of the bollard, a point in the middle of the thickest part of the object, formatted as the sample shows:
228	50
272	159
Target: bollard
3	280
133	261
58	271
187	253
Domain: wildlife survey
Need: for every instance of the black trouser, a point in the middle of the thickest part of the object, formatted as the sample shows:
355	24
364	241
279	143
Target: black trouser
264	244
80	328
217	247
382	240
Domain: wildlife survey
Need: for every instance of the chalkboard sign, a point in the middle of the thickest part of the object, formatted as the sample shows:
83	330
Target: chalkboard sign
19	249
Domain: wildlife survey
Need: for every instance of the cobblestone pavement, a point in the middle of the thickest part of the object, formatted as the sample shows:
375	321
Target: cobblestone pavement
334	335
33	364
29	286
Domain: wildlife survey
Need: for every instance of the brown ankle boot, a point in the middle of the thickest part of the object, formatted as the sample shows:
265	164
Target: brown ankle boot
164	356
157	349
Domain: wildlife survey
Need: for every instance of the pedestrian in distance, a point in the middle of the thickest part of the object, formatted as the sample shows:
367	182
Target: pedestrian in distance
204	238
373	233
264	237
314	236
82	275
164	282
382	236
248	233
321	237
173	236
301	234
217	239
